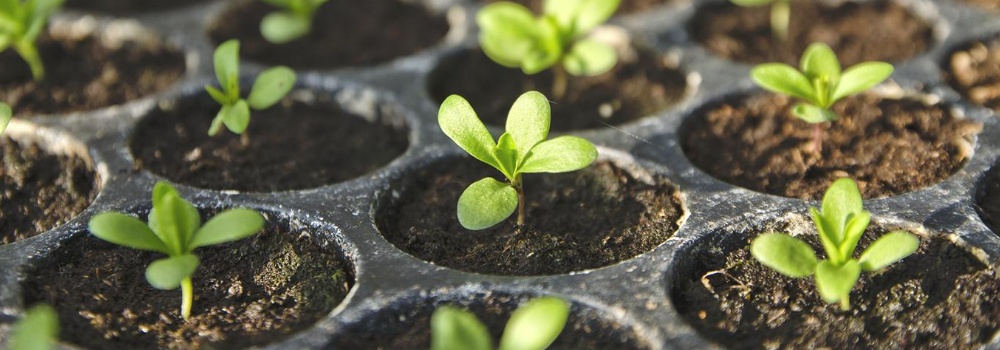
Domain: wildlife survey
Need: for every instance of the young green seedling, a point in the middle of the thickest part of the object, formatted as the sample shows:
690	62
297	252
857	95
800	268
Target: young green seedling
175	229
21	22
271	85
513	37
820	83
5	115
533	326
38	329
781	11
293	21
840	226
520	150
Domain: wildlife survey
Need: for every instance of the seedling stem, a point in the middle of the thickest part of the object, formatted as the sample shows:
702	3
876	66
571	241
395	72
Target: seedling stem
781	12
187	297
559	82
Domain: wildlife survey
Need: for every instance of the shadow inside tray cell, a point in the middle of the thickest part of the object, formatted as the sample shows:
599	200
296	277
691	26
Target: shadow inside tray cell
129	7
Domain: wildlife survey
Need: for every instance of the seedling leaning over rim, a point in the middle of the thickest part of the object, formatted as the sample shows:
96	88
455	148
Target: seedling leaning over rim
271	85
820	83
520	150
533	326
293	21
175	229
840	226
781	12
513	37
21	23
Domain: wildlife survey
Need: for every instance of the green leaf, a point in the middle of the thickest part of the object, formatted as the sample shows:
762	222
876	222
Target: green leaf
548	49
861	77
485	203
590	58
506	154
459	121
43	10
173	219
230	225
535	325
752	2
283	27
227	67
890	248
38	329
580	16
125	230
236	117
167	273
559	155
788	255
271	85
506	51
217	95
831	243
784	79
5	115
528	121
840	201
820	61
855	227
835	282
457	329
813	114
508	33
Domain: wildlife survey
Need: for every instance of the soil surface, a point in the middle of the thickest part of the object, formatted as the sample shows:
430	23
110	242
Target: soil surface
251	292
887	146
974	71
40	190
987	4
293	145
857	32
574	221
344	33
85	74
407	326
124	7
637	87
939	298
626	6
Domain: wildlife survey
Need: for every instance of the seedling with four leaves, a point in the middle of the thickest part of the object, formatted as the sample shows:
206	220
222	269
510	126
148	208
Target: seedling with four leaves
175	229
522	149
271	85
840	225
820	83
513	37
293	21
781	12
21	23
533	326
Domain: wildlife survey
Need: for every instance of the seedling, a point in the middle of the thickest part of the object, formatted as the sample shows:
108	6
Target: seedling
533	326
271	85
293	21
21	22
5	115
38	329
513	37
175	229
781	11
521	149
820	83
840	226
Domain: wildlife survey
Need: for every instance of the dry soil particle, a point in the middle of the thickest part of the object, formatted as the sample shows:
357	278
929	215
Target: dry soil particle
40	190
125	7
975	72
939	298
294	145
251	292
626	7
86	73
406	325
639	86
574	221
889	146
857	31
344	33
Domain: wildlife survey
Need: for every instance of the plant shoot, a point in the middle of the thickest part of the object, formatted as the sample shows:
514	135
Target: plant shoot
533	326
294	20
5	115
271	85
781	12
38	329
21	23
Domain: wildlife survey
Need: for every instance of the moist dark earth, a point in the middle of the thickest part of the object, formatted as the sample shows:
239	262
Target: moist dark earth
974	71
624	8
888	146
125	7
580	220
988	201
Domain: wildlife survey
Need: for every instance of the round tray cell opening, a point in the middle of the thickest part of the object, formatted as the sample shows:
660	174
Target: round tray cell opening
129	7
599	216
251	292
309	139
626	7
974	69
890	146
939	297
405	324
344	33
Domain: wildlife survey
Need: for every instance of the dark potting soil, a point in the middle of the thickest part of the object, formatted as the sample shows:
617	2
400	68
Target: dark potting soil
626	6
635	88
580	220
85	73
857	31
888	146
293	145
344	33
974	71
40	190
939	298
988	199
407	326
124	7
251	292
